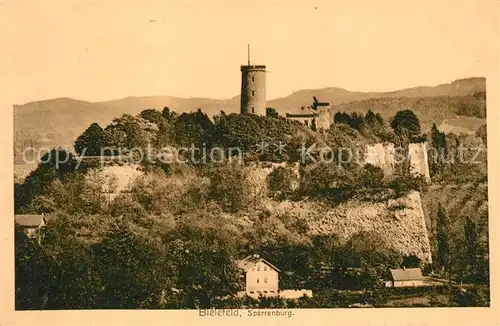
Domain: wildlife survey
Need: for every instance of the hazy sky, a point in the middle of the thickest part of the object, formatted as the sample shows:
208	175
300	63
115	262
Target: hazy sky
101	50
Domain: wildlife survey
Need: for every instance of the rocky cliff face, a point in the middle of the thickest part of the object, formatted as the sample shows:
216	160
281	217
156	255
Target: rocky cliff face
115	179
401	222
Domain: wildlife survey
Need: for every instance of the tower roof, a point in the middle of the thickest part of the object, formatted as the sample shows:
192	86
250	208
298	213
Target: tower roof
251	67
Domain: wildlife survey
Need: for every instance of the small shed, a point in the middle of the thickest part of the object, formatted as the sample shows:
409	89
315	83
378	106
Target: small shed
30	222
405	277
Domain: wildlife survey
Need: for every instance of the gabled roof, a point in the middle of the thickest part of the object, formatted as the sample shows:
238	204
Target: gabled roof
29	220
407	274
248	262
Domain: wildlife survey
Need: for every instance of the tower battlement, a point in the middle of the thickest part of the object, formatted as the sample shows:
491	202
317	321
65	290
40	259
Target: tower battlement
252	67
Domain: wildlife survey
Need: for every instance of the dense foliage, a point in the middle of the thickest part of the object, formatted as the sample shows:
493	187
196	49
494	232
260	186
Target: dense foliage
91	141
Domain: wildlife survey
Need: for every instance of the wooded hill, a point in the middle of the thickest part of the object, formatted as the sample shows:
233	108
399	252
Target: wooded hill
57	122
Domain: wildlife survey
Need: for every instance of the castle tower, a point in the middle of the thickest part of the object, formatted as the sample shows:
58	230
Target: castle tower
253	88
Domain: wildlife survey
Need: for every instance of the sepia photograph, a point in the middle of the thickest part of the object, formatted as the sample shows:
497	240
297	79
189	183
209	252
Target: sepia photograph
250	158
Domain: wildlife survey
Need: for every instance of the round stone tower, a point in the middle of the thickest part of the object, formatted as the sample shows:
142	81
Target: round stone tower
253	89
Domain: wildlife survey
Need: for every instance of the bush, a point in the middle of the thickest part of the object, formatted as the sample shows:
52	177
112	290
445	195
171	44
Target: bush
282	183
371	177
230	188
403	184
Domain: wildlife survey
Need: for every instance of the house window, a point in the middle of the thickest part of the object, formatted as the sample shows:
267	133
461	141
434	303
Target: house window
253	78
265	291
257	280
258	266
272	291
306	122
253	93
265	279
253	110
265	267
251	292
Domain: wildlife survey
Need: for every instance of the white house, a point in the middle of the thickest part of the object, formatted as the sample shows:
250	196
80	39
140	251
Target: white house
405	277
261	277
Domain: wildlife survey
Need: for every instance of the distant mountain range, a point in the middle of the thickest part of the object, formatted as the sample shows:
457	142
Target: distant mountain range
58	122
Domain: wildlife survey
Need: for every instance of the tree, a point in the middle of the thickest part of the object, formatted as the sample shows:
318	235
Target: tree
32	273
204	254
169	115
357	121
342	117
442	239
363	261
331	181
438	143
91	141
57	164
245	131
411	261
193	128
471	240
406	123
271	113
125	132
482	133
78	194
152	115
354	120
373	121
75	281
403	183
128	265
230	188
313	124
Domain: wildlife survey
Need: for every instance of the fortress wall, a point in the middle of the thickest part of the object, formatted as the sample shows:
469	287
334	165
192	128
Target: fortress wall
419	164
381	155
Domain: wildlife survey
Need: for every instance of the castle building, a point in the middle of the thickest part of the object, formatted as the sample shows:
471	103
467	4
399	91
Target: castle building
253	89
319	114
